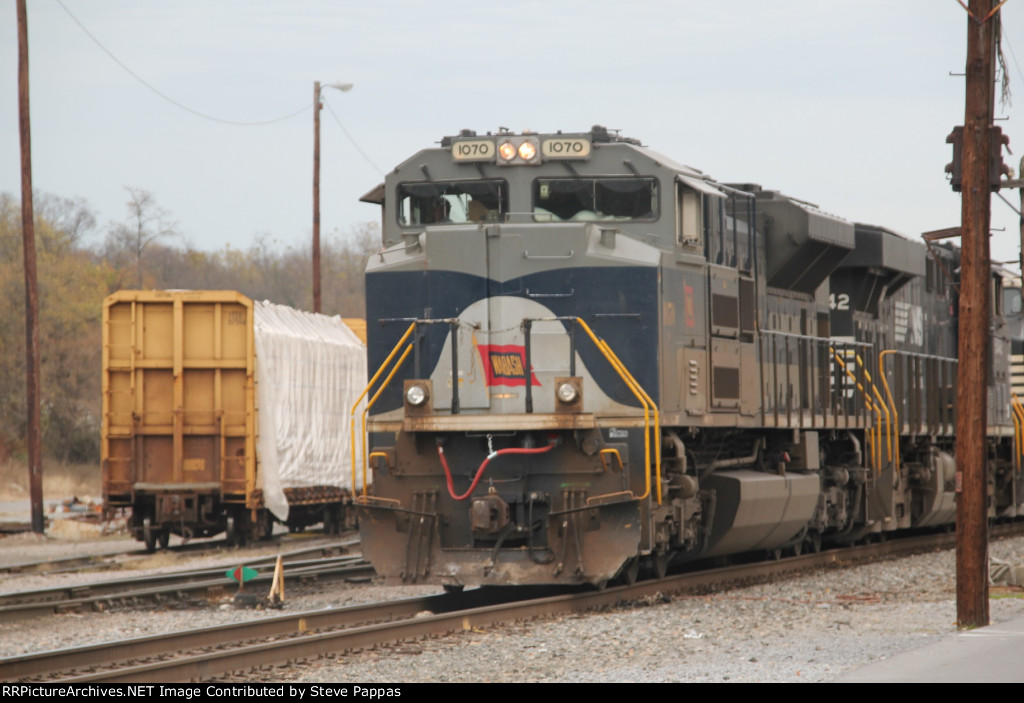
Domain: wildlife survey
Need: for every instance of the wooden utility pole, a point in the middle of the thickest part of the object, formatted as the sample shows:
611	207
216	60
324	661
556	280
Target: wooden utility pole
316	196
975	319
343	87
33	435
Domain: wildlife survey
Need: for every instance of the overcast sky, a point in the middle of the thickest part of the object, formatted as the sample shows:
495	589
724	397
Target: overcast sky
845	103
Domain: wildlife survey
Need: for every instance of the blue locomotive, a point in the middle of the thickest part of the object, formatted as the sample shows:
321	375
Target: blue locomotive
589	360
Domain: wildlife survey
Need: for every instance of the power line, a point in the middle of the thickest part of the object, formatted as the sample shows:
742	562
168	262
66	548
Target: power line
351	139
181	106
169	99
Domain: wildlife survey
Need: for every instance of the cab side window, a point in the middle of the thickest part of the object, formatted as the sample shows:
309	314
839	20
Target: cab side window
689	231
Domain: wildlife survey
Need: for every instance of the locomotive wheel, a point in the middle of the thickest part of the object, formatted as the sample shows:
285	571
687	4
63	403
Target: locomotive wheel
148	534
657	563
630	571
814	541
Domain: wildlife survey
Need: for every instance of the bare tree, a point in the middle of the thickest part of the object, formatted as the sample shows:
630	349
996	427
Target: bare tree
147	222
72	217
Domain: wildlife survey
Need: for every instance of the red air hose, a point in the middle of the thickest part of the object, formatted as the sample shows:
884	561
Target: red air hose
480	471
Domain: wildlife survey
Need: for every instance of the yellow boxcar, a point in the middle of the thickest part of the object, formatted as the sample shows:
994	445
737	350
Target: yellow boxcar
182	441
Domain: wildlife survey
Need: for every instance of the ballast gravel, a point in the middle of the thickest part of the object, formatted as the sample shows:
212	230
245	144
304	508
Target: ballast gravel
807	628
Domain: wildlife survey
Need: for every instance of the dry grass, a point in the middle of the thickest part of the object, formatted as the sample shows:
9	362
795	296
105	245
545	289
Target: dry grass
59	480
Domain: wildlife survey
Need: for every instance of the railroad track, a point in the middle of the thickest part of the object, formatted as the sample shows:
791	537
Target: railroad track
246	649
210	582
95	562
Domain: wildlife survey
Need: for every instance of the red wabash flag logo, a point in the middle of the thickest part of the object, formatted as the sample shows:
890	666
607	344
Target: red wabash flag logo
505	365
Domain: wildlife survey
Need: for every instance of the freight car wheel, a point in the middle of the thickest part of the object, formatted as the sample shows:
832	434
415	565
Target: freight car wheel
164	538
148	534
231	532
332	520
238	528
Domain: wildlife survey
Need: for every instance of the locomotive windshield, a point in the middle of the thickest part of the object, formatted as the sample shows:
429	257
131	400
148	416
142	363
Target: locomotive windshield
452	202
595	199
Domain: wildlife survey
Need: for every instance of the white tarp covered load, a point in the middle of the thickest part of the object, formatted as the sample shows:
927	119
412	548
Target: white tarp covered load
309	371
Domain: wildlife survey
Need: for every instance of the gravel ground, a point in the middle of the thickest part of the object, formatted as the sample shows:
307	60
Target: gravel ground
810	628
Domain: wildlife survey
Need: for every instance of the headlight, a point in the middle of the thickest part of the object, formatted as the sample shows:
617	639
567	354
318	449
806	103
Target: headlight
567	393
527	150
507	151
416	395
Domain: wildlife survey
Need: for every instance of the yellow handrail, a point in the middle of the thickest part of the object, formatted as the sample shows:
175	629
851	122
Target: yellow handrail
892	402
875	441
1020	413
352	415
881	402
381	455
1016	435
1018	410
657	423
366	410
645	401
647	413
615	453
657	420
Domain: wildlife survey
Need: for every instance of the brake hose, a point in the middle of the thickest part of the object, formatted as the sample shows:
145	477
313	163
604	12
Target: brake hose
480	471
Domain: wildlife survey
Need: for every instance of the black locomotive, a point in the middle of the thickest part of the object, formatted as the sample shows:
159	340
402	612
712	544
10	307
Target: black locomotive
590	359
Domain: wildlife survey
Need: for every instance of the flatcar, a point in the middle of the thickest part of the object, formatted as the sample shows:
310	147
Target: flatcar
588	359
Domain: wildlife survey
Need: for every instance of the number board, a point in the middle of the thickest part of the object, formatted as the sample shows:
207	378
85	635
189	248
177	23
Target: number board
473	150
565	148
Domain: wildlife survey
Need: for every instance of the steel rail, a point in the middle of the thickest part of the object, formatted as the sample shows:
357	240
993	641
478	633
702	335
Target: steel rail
290	625
397	621
113	587
93	561
28	604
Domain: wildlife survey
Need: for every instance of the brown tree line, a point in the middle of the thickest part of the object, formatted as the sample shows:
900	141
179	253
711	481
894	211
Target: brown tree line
143	251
